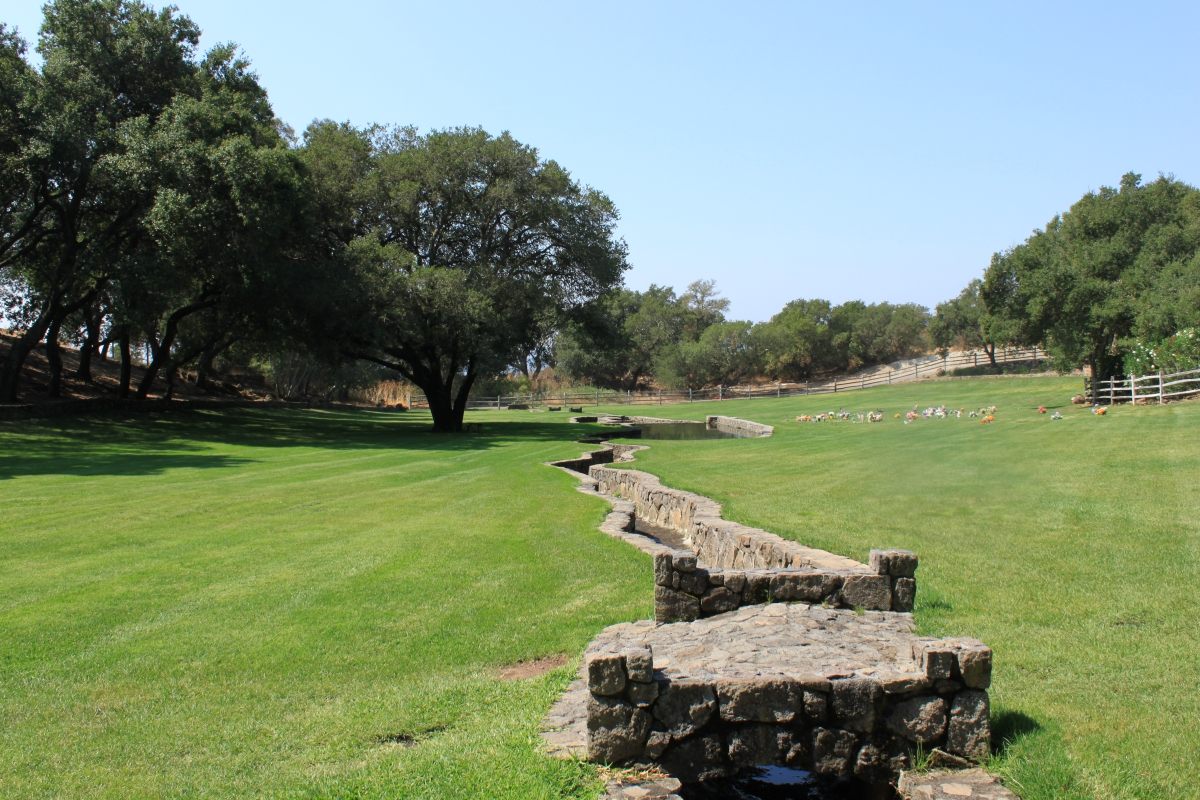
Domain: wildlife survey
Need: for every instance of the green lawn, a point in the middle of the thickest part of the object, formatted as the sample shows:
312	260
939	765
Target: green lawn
316	604
1071	547
262	603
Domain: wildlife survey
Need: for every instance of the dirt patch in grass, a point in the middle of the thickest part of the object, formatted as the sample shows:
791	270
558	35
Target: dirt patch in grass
531	669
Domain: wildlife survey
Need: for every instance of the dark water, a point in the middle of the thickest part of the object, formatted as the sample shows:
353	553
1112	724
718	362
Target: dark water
781	783
676	430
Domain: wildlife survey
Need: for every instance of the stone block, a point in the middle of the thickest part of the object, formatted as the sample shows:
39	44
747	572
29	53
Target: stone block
921	720
639	664
904	594
616	730
656	744
812	587
673	606
799	754
662	569
684	707
896	563
698	759
816	706
735	581
758	587
606	674
855	703
683	562
833	751
867	591
642	695
970	731
719	600
757	744
975	664
936	659
762	700
904	683
871	765
695	583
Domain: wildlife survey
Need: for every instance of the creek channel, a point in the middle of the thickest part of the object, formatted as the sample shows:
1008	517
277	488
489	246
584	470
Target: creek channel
762	783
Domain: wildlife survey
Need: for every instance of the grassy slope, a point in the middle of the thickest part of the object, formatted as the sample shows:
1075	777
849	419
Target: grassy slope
251	603
1071	547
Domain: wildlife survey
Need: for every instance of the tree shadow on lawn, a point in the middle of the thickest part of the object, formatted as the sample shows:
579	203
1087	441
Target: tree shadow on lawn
148	444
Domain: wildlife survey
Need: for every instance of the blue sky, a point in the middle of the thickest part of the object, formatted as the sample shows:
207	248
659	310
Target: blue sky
878	151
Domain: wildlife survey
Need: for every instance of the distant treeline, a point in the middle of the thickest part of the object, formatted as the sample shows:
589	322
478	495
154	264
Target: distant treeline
153	204
634	339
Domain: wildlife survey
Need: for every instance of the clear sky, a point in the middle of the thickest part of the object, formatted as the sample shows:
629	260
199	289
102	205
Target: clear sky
875	151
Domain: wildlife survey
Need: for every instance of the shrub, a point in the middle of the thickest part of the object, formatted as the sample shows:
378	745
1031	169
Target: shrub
1173	354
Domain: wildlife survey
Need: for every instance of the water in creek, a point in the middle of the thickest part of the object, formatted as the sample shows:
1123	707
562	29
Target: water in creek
781	783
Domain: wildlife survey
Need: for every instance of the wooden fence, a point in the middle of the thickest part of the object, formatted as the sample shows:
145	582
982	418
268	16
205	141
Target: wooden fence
900	372
1157	388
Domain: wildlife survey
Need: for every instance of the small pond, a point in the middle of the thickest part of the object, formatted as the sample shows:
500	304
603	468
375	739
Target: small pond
675	430
782	783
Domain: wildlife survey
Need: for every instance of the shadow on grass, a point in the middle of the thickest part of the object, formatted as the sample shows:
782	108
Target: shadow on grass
148	444
1009	727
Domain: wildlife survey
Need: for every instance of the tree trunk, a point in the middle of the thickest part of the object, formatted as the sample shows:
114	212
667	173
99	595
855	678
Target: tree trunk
171	371
54	358
161	350
10	372
90	347
442	408
126	361
990	349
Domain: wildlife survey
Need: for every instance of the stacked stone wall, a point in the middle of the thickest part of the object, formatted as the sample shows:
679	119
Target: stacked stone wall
731	565
836	725
740	427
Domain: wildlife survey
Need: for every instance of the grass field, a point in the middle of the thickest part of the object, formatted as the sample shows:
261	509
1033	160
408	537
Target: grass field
1071	547
293	604
317	604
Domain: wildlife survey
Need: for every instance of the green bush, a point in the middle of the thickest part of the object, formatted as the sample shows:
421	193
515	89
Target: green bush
1173	354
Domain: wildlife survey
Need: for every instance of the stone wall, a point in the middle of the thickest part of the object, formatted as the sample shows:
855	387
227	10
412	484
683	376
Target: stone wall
837	725
741	427
731	565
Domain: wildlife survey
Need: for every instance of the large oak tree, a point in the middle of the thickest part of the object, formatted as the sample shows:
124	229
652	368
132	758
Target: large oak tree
459	244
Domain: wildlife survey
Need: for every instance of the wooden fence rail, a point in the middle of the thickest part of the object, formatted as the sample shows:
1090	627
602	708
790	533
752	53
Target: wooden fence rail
901	372
1159	387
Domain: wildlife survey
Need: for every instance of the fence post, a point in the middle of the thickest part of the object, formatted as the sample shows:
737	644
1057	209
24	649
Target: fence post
889	376
778	389
835	385
721	392
1160	388
689	395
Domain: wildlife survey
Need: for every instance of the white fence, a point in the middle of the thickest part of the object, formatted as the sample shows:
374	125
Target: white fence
898	372
1157	388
